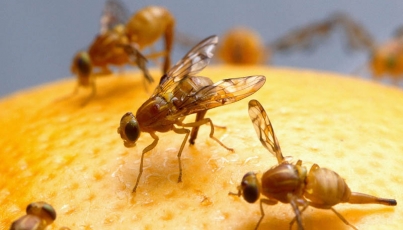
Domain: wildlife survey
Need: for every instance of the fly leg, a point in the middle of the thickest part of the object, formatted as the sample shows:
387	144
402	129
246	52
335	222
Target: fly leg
104	72
193	135
93	92
154	55
295	218
199	116
264	201
148	148
141	63
75	91
205	121
343	219
139	59
295	201
181	131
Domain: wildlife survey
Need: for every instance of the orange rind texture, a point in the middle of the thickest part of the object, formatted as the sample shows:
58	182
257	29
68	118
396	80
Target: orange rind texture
71	156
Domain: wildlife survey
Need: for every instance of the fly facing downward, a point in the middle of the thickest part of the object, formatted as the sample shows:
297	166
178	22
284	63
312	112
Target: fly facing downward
181	93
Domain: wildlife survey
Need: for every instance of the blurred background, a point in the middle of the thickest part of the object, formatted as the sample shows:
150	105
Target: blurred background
39	38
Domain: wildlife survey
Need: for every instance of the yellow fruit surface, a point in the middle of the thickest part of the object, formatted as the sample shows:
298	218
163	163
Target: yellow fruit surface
72	157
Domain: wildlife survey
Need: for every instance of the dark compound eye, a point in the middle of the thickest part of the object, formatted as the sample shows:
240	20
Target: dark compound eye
83	63
250	187
129	128
40	209
50	211
132	130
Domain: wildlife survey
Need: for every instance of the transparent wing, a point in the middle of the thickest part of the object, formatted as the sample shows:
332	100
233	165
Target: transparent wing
357	35
313	34
305	37
115	12
264	129
137	57
192	63
221	93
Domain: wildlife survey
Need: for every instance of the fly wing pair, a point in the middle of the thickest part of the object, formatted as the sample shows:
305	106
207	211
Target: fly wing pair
220	93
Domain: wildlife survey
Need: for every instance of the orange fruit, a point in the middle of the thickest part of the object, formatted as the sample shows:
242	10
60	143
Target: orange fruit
72	157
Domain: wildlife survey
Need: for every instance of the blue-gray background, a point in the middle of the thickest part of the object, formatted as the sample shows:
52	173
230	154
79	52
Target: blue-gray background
39	38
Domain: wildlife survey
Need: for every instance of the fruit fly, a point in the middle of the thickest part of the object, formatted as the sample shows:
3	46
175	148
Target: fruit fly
39	216
120	38
181	93
244	46
105	49
291	182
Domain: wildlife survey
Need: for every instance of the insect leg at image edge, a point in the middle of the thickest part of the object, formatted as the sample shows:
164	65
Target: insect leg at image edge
291	183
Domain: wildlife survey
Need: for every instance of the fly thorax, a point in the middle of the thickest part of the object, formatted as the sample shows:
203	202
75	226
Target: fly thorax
151	109
282	180
172	102
302	174
166	96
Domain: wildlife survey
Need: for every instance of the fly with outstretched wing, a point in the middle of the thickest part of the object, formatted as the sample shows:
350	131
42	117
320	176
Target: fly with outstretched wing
181	93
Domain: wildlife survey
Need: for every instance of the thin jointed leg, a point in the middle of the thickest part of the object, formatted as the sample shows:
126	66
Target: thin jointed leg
205	121
181	131
148	148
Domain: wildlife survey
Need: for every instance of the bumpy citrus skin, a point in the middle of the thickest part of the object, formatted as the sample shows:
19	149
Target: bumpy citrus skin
71	156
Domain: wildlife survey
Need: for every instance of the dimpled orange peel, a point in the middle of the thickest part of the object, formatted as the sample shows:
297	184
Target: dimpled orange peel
71	157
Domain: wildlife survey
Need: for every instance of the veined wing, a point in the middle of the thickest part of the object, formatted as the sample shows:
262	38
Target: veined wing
358	37
138	58
115	12
305	37
221	93
264	129
192	63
